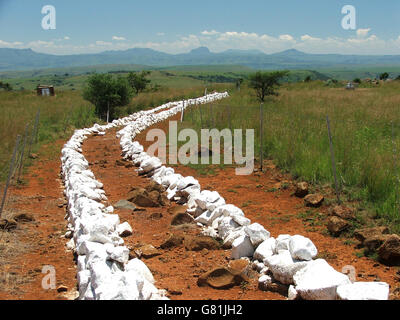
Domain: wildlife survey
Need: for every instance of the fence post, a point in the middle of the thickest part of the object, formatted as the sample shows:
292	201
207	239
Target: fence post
34	131
21	164
395	169
201	117
230	119
261	136
9	175
333	159
183	110
37	126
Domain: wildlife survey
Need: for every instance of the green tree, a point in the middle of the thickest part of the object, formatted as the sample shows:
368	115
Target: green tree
6	86
138	81
384	76
265	83
357	80
308	79
106	93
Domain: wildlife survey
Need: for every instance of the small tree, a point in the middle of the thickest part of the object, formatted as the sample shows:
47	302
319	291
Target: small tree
357	80
5	85
384	76
265	83
106	93
308	79
138	81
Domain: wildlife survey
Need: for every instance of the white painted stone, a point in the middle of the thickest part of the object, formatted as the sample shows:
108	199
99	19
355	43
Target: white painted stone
242	247
282	242
292	293
283	267
141	268
302	248
265	249
256	233
225	226
319	281
363	291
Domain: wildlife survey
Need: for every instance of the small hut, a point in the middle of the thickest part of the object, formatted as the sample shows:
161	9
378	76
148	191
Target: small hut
43	90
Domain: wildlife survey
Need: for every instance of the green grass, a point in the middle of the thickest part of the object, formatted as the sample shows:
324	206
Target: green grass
366	135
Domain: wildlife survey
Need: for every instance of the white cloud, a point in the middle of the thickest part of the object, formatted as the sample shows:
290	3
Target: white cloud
286	37
362	33
307	37
6	44
118	38
160	34
103	43
209	33
67	38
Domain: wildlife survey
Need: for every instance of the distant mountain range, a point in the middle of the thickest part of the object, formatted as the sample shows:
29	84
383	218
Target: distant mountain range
27	59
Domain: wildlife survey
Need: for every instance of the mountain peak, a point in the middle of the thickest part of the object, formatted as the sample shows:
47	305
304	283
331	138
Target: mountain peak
291	52
200	50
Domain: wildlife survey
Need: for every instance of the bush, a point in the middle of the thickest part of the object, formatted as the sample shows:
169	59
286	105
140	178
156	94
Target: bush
138	82
106	93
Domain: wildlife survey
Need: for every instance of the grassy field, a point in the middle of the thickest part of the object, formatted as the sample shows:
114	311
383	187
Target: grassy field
365	126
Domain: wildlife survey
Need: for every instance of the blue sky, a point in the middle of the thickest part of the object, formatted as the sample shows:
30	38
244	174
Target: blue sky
177	26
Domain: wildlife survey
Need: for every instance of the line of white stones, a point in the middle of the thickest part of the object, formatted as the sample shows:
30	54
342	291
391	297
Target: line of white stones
287	259
104	269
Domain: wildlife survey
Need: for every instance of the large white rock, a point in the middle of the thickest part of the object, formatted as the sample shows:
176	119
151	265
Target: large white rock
242	247
225	226
208	216
319	281
265	249
120	254
141	268
256	233
283	267
232	236
363	291
207	197
282	242
302	248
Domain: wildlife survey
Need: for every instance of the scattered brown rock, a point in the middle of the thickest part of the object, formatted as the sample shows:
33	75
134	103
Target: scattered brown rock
129	165
154	186
374	242
177	209
198	243
181	218
301	189
337	225
314	200
62	289
240	266
156	216
364	233
276	286
120	163
33	156
8	224
124	204
389	252
342	212
220	278
147	251
174	240
142	198
23	217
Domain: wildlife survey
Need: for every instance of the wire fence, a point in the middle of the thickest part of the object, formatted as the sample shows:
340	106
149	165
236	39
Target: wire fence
24	145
